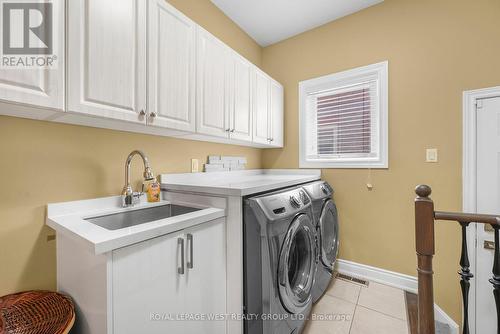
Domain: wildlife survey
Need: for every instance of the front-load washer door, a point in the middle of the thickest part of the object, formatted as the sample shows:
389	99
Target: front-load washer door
297	265
329	234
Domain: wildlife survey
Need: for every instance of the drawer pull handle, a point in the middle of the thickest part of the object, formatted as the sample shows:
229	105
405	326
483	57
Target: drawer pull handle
190	262
180	269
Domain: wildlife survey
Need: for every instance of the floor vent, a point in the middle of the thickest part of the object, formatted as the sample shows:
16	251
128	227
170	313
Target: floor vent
352	279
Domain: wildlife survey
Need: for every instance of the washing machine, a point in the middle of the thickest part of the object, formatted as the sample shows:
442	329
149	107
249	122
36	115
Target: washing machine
327	234
279	262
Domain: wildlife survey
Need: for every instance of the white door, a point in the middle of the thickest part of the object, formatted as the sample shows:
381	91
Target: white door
107	58
276	117
39	87
261	88
148	291
488	201
206	276
171	68
212	75
240	90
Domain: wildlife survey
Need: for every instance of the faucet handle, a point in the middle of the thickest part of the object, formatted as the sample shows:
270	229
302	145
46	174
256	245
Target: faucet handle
131	199
136	197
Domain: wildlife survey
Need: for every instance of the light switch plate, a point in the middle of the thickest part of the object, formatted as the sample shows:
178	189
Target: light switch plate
431	155
195	165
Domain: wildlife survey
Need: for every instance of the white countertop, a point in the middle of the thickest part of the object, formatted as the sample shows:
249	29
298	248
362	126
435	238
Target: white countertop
238	183
69	218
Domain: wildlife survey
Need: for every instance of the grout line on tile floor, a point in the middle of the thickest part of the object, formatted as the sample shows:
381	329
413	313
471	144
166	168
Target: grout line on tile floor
343	299
352	320
388	315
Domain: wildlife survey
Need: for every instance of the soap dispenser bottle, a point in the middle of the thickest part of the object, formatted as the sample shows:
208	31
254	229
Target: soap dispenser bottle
152	189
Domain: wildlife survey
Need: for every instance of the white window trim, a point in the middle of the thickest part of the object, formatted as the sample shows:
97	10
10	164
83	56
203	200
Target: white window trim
381	72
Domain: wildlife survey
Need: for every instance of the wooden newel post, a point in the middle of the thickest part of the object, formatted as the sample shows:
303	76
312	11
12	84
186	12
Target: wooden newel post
424	239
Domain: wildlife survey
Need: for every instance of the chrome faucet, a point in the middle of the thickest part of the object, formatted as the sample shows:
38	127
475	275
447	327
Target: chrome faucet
129	197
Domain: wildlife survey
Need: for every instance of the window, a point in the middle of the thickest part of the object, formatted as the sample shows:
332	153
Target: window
343	119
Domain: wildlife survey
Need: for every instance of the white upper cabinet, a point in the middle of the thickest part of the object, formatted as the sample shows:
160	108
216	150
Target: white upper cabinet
276	117
107	58
39	87
267	110
171	71
212	79
261	119
143	66
240	93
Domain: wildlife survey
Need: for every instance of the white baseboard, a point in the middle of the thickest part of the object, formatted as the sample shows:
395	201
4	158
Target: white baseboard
391	278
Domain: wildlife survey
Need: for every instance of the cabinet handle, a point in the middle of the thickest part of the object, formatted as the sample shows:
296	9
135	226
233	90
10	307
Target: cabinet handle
190	262
152	114
180	269
271	139
227	130
142	112
232	130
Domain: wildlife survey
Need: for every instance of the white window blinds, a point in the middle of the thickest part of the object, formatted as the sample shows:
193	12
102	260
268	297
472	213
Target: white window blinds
344	119
343	122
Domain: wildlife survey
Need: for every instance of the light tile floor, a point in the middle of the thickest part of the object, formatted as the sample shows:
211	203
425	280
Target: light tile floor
351	308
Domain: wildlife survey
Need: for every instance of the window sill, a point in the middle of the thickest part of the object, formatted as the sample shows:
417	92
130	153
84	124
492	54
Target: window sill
344	164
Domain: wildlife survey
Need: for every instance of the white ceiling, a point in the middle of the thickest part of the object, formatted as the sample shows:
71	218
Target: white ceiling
271	21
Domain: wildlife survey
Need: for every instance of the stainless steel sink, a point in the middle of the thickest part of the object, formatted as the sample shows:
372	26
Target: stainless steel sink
120	220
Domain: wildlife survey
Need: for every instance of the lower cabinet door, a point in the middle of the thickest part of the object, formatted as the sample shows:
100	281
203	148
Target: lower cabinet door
172	284
148	292
206	277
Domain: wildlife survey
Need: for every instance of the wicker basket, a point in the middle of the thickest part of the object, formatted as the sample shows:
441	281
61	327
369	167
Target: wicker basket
36	312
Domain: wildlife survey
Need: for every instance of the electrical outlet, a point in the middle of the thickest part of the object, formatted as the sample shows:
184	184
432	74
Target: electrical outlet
195	165
431	155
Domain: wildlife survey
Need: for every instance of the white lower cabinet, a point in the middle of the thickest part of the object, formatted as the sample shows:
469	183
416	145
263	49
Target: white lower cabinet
159	284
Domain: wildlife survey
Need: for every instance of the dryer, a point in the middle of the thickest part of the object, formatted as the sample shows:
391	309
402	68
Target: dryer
280	262
327	234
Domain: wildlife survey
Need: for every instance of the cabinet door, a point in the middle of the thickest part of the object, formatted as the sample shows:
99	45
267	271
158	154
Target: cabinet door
39	87
147	288
206	276
261	108
212	75
276	114
171	71
240	99
107	58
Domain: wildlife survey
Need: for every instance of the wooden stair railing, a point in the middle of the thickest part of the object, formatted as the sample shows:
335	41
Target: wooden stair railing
424	240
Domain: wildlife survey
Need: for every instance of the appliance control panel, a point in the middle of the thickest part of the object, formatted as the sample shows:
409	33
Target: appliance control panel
283	204
319	190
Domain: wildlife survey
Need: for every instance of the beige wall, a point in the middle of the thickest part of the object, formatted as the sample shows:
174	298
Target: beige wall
45	162
436	49
206	14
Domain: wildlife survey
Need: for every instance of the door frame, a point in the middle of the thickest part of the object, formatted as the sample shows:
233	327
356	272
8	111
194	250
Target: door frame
469	174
